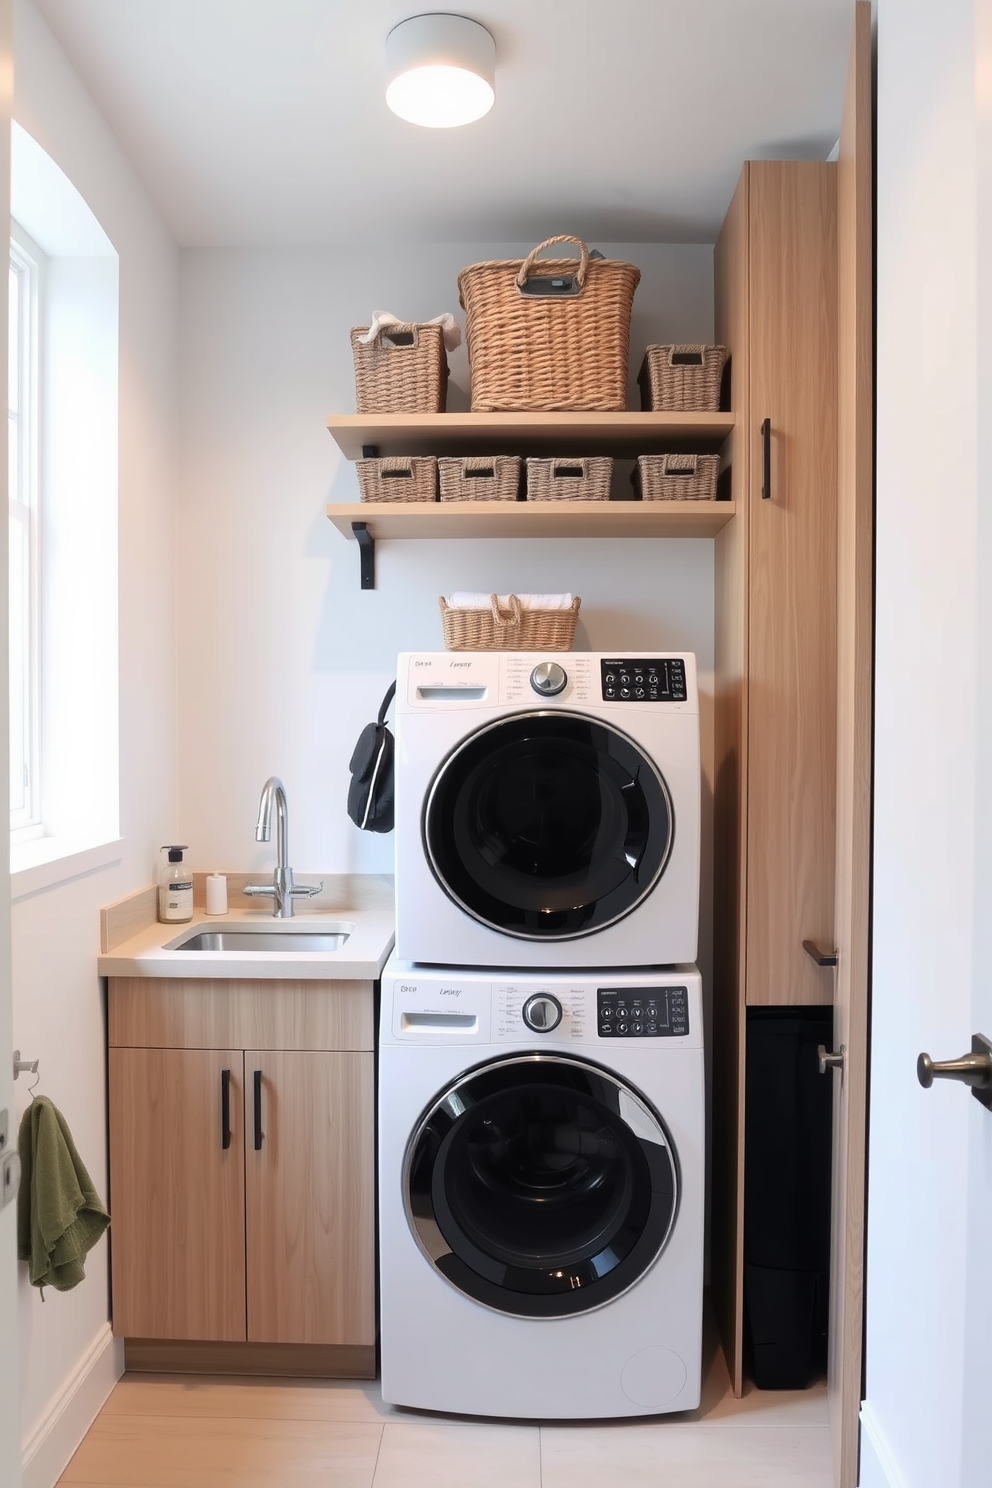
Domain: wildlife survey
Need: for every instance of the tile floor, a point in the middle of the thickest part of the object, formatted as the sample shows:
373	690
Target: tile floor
182	1431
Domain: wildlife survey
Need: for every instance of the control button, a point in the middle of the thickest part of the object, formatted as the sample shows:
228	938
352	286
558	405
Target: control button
548	678
622	1028
605	1029
651	1027
607	1012
625	692
638	692
610	678
542	1012
609	692
652	1010
624	679
637	1027
622	1012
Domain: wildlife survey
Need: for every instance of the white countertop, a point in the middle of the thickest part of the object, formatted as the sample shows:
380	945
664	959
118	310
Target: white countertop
361	957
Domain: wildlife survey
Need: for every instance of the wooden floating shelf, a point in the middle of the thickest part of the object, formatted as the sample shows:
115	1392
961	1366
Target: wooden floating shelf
435	519
564	434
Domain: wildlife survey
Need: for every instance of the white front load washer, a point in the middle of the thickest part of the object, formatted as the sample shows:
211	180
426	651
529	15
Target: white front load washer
541	1154
547	809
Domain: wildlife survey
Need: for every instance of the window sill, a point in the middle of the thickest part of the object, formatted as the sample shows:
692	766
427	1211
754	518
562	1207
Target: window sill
48	862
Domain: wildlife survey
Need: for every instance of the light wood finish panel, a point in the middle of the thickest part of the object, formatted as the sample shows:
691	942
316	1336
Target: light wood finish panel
311	1199
792	622
437	519
176	1195
855	584
618	434
118	922
211	1013
302	1361
730	802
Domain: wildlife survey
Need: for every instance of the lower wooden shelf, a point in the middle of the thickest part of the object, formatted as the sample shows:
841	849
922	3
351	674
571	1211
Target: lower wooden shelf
438	519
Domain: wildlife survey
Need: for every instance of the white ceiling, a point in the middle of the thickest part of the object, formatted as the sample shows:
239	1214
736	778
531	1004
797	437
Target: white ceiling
262	122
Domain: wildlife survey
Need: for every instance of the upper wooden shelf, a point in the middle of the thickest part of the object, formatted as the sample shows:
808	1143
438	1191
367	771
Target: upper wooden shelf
405	519
566	434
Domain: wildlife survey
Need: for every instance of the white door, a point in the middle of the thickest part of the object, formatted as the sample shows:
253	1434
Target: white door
10	1406
929	1275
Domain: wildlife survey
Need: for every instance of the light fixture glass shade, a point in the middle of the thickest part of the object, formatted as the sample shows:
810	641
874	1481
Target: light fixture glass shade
441	70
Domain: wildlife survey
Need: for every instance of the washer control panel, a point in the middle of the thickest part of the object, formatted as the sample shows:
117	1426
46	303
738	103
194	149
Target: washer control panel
644	680
642	1012
521	1011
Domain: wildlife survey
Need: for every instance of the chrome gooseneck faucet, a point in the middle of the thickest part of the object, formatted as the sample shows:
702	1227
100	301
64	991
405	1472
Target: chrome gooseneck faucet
282	889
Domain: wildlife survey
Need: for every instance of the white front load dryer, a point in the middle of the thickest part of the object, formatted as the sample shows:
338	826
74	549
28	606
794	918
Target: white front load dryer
547	809
541	1162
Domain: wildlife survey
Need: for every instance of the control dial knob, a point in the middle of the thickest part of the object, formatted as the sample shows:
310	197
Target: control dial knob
548	678
542	1012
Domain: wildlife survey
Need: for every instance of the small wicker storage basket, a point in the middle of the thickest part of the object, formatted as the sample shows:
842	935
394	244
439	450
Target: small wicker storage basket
479	478
398	478
681	377
569	480
561	346
404	370
676	477
512	629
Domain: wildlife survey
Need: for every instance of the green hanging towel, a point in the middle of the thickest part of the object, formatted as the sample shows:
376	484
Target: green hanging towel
59	1215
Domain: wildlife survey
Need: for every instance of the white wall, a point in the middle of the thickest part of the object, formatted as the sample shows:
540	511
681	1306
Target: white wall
58	1013
927	958
282	657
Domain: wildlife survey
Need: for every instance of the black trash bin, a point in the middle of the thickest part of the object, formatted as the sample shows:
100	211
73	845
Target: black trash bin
787	1126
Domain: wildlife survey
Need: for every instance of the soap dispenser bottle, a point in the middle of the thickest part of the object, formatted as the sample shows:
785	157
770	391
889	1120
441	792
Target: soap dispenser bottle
175	887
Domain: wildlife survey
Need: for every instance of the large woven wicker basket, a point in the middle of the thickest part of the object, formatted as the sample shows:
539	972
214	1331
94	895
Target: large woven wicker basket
552	336
681	378
511	629
403	370
398	478
676	477
479	478
569	480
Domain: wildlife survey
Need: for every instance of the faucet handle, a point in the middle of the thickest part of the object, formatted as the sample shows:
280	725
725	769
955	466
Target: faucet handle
306	891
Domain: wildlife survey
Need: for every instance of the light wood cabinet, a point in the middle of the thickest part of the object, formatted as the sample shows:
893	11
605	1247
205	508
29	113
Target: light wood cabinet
242	1172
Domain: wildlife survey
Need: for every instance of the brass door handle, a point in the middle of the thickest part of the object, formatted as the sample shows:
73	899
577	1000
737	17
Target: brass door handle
974	1070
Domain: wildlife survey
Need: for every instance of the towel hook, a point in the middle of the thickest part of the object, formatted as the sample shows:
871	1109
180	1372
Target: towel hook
27	1066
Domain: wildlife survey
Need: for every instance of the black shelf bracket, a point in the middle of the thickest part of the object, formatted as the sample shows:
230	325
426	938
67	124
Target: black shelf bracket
366	557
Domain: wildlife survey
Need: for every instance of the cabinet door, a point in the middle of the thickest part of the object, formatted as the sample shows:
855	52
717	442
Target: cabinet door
792	605
309	1123
177	1193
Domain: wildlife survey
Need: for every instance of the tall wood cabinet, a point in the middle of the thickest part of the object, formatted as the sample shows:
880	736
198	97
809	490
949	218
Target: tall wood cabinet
242	1167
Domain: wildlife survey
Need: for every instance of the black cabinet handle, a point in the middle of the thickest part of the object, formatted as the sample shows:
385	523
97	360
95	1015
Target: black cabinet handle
766	455
225	1109
257	1078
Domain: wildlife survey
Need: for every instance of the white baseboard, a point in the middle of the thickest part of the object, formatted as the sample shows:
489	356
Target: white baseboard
72	1412
878	1466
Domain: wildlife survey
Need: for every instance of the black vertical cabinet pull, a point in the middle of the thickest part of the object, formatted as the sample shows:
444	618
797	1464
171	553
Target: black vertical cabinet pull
257	1078
766	458
225	1109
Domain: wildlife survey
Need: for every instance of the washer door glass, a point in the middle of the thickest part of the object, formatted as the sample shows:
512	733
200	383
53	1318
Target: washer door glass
548	826
541	1186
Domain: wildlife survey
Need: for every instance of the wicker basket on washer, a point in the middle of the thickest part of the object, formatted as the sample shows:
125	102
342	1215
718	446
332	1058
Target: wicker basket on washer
398	478
682	378
404	369
560	347
676	477
479	478
569	480
513	628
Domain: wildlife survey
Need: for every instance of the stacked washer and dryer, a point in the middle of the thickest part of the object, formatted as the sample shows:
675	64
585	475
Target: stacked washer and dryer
541	1110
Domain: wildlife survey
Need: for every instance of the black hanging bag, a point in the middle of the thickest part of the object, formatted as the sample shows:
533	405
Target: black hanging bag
370	794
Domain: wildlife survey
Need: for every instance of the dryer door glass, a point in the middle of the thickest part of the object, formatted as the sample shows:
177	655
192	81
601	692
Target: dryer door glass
548	826
541	1186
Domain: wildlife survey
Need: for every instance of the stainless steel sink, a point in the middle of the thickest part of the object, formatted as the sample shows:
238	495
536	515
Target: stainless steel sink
269	941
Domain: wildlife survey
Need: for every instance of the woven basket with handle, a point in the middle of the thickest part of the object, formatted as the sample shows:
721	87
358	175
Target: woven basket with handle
550	336
404	369
512	629
676	477
681	378
398	478
559	479
479	477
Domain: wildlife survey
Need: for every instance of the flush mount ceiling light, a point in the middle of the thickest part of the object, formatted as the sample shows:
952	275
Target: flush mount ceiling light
441	70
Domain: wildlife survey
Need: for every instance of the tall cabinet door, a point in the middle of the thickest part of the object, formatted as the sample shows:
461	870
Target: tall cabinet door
177	1193
310	1169
792	626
